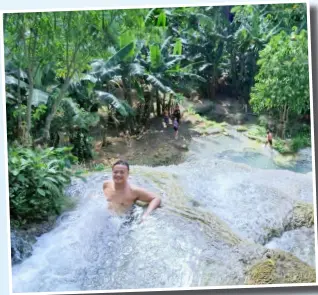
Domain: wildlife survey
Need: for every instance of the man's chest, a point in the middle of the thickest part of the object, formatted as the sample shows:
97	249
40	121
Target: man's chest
121	198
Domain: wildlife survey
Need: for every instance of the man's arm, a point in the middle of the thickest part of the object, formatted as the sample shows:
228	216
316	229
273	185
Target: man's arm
148	197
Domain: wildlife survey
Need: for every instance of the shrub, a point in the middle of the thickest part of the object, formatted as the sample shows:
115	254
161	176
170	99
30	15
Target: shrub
258	131
99	167
300	141
37	179
281	146
263	121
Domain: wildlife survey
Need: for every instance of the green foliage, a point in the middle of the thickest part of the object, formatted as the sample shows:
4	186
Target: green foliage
263	121
37	179
281	146
99	167
276	83
259	131
39	112
82	145
300	141
177	50
87	60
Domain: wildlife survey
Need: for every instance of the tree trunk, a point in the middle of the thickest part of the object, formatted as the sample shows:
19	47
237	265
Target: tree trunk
285	120
20	132
169	105
29	109
158	103
147	108
104	135
233	73
55	105
164	102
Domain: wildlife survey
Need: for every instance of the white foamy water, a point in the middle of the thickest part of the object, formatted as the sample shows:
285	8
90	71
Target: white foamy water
216	215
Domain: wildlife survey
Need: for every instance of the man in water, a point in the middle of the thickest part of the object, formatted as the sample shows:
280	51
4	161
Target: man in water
121	195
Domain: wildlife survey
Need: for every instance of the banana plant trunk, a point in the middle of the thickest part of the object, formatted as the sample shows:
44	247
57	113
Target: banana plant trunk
212	86
170	105
158	103
29	109
233	73
164	102
147	108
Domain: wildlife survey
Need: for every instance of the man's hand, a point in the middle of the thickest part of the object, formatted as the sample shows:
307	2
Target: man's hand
143	218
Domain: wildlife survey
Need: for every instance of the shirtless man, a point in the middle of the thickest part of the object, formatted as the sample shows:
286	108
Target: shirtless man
121	195
269	138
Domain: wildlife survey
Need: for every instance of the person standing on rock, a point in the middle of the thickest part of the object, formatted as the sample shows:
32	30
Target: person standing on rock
269	138
121	196
177	113
176	128
166	119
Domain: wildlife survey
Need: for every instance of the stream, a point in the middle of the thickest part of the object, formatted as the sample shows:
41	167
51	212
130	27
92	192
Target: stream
220	210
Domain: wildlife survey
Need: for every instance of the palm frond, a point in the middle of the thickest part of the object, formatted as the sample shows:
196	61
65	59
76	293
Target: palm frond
173	62
149	15
154	81
112	101
165	44
205	66
120	55
136	69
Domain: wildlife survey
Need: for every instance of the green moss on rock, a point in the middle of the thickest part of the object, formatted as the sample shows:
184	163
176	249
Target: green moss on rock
302	215
280	268
241	128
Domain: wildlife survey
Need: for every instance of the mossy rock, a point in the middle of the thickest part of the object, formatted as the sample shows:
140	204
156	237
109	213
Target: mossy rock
241	129
141	204
302	215
284	160
280	268
256	138
213	130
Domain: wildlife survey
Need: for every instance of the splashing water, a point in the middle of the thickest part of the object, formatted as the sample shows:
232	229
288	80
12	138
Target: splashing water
216	215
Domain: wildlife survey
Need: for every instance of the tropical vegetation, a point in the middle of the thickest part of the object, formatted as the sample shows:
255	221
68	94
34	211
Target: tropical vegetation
71	73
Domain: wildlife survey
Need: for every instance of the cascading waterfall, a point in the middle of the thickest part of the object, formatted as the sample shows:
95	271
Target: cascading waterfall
218	217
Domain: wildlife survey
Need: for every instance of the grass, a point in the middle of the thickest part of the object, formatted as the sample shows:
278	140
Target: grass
84	169
203	124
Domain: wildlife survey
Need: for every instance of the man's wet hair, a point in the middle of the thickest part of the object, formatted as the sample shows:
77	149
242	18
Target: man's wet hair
121	162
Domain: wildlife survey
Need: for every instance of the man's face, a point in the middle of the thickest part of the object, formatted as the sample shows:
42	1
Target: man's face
120	173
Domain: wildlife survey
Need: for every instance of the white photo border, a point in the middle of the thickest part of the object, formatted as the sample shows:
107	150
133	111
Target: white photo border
141	6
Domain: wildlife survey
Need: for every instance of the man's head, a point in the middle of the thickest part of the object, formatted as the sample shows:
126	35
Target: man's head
267	131
120	171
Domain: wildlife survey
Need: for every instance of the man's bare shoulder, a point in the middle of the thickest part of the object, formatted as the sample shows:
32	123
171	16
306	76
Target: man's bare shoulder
134	189
107	184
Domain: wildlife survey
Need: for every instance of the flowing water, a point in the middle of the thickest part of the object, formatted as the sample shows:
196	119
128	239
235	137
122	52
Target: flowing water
219	210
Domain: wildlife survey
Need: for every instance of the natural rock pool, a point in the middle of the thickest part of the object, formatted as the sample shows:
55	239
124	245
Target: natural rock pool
227	213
